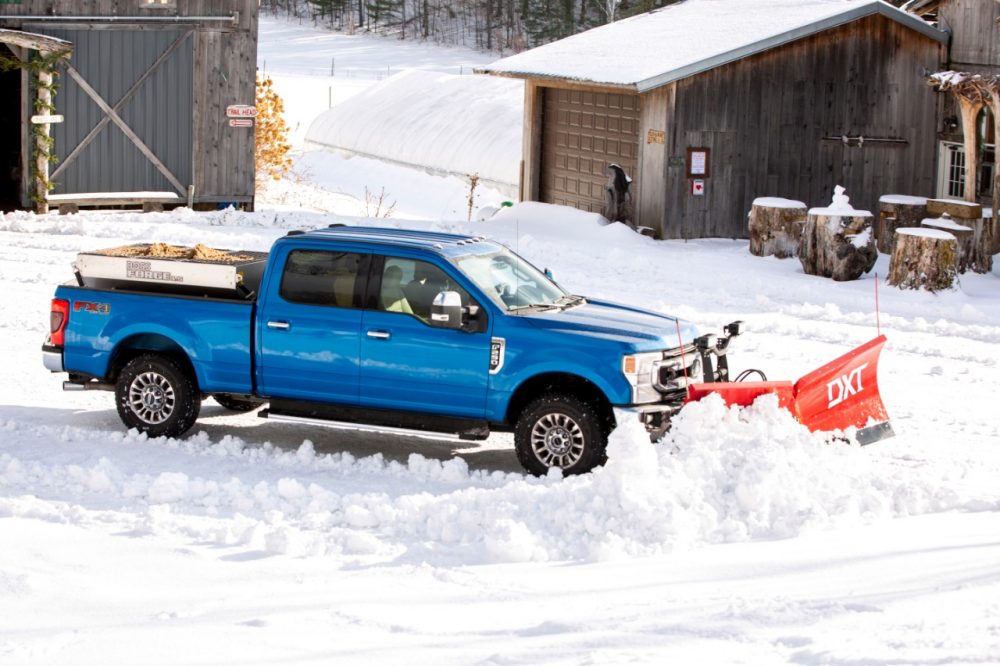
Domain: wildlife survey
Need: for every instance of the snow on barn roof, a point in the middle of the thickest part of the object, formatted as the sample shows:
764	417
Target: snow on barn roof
442	122
650	50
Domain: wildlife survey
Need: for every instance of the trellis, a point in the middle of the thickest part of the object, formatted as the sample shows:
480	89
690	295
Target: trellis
973	92
49	53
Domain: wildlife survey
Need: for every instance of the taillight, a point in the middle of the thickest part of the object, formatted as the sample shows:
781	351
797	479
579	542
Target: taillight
58	318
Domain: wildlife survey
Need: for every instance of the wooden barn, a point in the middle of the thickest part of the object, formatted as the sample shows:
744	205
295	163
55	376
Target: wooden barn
974	47
708	105
142	109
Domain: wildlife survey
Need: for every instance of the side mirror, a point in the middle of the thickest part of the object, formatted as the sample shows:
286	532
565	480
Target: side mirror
446	310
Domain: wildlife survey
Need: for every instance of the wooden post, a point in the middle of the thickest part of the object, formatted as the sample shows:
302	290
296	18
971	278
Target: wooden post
897	210
41	144
970	109
992	86
775	227
923	259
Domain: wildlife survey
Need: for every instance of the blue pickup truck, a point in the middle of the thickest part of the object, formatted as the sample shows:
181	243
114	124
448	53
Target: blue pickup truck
430	334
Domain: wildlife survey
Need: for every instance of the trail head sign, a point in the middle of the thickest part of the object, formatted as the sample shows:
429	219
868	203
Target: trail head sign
241	111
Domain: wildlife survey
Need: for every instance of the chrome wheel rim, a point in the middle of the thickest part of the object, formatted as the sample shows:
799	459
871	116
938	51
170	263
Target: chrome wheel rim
557	440
151	397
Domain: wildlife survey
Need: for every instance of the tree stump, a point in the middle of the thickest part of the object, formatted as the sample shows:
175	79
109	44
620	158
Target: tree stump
838	242
964	236
986	236
991	231
775	227
923	258
897	210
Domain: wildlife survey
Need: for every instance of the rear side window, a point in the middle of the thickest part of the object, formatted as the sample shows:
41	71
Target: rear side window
322	277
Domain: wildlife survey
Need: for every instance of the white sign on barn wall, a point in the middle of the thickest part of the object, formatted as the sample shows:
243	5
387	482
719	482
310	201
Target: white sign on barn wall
241	111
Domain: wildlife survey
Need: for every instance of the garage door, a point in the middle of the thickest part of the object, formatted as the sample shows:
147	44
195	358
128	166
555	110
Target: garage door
582	133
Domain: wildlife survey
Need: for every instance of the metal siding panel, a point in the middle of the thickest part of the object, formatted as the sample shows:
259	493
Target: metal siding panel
159	113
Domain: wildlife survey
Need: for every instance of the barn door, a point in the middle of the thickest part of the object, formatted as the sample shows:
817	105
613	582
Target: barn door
582	133
126	96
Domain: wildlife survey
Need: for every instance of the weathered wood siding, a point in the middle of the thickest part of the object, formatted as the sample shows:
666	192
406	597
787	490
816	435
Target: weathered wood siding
224	73
648	193
765	118
975	33
223	53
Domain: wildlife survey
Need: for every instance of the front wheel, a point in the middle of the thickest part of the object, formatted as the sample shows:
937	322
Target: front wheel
156	395
559	431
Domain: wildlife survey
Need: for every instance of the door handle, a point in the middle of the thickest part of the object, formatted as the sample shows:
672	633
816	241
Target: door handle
280	325
379	335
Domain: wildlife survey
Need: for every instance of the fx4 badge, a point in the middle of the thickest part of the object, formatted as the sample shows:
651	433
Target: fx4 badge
497	347
93	308
844	387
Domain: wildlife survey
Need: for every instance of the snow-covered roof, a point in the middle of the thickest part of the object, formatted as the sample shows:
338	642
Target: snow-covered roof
650	50
444	122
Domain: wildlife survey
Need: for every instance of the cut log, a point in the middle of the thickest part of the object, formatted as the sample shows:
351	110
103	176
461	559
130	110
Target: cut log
960	210
923	259
963	235
897	210
838	242
775	227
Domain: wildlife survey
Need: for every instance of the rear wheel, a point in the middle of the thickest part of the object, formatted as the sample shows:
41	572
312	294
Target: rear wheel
156	395
237	403
560	431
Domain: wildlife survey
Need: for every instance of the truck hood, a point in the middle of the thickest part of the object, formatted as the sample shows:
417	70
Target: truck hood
641	330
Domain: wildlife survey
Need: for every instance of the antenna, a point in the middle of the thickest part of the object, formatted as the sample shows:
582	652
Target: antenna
878	324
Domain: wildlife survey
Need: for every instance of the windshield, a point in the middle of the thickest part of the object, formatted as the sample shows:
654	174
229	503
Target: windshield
510	281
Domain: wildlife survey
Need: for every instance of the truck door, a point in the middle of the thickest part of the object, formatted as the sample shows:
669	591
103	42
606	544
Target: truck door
309	333
408	364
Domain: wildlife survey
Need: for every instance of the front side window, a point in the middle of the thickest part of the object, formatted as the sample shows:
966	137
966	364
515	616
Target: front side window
322	277
409	286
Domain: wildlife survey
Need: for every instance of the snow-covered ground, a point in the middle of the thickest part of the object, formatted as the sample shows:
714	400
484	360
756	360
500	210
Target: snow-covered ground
739	539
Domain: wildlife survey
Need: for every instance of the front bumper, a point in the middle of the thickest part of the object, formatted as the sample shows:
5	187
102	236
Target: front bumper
52	357
655	417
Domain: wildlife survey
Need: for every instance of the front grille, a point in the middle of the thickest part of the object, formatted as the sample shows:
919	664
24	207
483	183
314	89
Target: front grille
677	369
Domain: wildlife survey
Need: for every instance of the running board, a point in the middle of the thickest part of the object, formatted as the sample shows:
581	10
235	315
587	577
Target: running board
365	427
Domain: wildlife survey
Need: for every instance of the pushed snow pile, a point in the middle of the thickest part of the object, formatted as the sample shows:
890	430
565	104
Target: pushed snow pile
723	474
551	222
444	122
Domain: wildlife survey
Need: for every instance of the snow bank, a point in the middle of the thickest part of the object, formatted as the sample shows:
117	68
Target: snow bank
722	475
444	122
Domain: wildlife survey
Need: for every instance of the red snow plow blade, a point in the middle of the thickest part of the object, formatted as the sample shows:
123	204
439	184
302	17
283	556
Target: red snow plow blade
840	395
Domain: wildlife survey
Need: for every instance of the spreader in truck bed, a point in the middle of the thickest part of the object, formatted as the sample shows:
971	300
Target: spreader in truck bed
162	268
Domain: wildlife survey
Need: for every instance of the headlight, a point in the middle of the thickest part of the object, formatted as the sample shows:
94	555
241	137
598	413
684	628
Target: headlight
639	370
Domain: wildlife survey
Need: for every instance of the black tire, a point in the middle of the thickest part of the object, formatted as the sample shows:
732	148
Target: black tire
237	403
156	395
560	431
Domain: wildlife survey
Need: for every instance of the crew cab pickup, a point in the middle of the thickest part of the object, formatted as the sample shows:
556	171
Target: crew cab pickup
431	334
